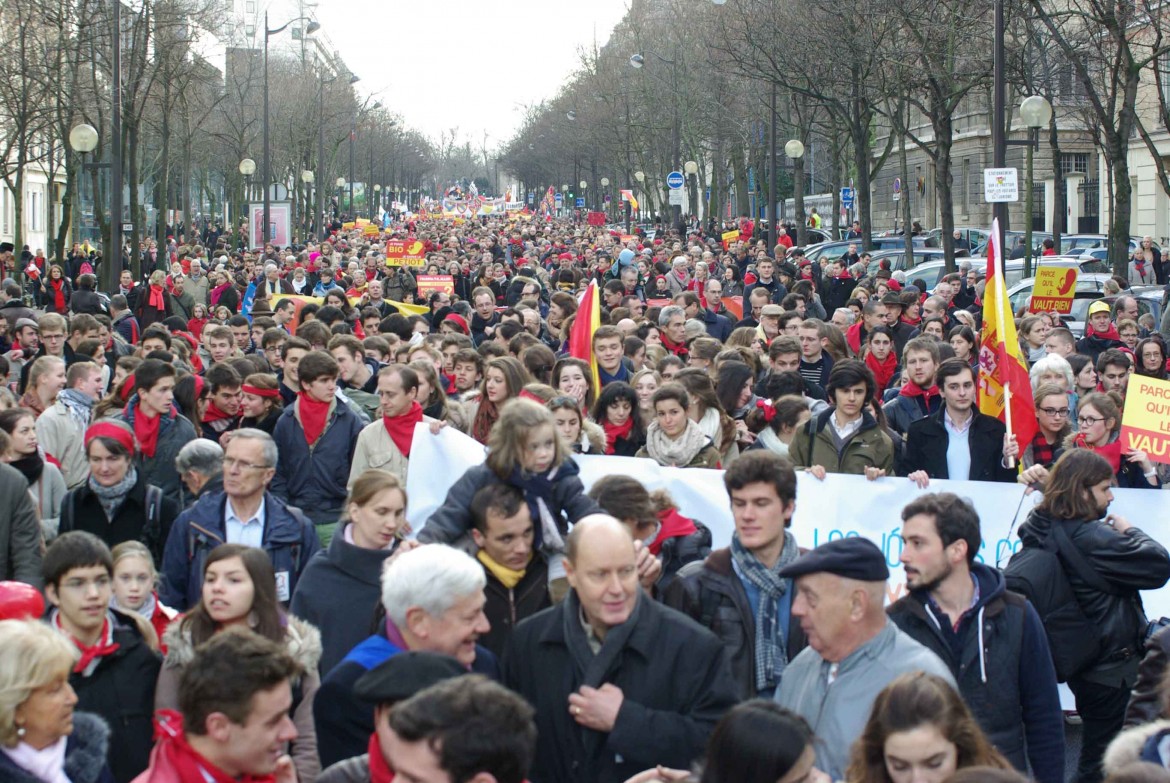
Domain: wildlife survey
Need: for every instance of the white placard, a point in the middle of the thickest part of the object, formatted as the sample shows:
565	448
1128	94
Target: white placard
1000	185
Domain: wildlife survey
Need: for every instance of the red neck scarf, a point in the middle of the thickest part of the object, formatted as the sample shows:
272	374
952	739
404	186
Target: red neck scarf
1110	451
215	413
104	646
882	371
678	349
58	294
615	431
914	390
380	771
156	298
674	525
485	417
401	428
314	415
174	753
146	430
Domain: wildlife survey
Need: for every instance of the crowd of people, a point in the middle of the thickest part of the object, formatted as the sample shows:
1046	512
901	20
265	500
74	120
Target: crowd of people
206	554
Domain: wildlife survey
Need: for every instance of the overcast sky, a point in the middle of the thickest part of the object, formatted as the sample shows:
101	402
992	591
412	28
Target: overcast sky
469	64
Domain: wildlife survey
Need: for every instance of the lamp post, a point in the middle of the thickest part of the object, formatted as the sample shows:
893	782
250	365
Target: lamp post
1036	112
640	177
247	168
83	139
794	149
604	193
691	169
376	202
267	171
639	60
307	177
340	190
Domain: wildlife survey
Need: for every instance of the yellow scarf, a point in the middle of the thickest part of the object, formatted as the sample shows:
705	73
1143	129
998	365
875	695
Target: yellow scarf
508	577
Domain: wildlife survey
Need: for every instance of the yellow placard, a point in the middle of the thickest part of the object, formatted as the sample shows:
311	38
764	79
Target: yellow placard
728	237
1054	290
1145	424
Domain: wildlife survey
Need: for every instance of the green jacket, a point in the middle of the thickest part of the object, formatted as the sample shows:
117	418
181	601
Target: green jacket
868	447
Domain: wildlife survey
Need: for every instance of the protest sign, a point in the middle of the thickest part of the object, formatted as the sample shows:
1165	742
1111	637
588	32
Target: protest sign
1145	424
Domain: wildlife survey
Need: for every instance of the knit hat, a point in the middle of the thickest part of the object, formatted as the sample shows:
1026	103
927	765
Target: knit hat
626	257
459	321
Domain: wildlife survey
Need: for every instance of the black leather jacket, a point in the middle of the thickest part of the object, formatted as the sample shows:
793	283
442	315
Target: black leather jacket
1129	562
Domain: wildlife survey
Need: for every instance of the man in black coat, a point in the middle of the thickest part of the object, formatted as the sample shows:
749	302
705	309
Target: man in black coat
982	445
620	683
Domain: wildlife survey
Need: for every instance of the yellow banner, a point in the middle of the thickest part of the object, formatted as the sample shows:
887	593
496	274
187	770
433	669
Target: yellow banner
1054	290
1145	425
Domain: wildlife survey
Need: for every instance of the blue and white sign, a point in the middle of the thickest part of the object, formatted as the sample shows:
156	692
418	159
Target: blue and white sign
531	197
580	203
847	196
674	180
558	198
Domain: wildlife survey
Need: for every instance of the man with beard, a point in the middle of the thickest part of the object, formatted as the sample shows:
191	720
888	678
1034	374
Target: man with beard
1004	668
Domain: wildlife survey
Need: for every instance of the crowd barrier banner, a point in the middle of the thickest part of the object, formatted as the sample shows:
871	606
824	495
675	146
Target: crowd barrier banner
839	507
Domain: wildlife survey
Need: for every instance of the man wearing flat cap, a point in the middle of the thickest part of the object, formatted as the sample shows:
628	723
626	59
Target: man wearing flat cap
853	649
396	679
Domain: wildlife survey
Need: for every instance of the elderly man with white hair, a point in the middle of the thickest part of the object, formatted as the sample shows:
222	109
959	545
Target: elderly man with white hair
273	283
433	597
200	467
619	681
197	285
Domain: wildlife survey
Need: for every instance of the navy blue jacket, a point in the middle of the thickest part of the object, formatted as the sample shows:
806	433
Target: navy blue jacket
315	479
289	539
718	326
344	722
1004	670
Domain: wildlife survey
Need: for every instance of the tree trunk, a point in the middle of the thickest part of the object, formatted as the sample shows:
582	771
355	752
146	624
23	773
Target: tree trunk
798	198
944	183
1059	187
131	159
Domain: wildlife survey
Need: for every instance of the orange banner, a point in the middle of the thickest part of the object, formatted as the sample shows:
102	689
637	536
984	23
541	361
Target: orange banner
1145	425
428	284
402	253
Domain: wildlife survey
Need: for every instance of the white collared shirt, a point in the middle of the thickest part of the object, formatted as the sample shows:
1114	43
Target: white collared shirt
248	532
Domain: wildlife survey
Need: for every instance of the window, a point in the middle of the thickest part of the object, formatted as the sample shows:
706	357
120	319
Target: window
5	212
1074	163
33	209
1164	77
250	7
296	33
250	30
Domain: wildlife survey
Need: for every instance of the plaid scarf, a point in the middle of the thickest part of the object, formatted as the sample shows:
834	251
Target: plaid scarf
771	652
78	405
1043	452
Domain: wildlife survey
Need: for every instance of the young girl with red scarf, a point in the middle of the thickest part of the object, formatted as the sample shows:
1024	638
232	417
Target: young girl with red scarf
616	410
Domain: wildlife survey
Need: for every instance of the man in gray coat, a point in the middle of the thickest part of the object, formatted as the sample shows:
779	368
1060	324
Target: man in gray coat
20	530
854	649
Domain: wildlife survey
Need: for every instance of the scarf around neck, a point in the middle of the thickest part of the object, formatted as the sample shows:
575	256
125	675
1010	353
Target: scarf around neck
678	452
616	432
508	577
314	415
883	372
78	405
90	656
671	524
1110	451
771	652
155	297
146	429
174	752
380	771
538	491
31	466
401	428
112	498
46	764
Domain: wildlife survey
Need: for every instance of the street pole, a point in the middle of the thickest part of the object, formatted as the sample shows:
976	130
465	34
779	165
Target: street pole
266	175
113	265
770	214
998	116
1033	139
352	170
321	162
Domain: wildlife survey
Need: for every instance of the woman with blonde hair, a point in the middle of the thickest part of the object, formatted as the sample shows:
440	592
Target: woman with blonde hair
340	590
42	739
135	587
46	379
919	731
503	380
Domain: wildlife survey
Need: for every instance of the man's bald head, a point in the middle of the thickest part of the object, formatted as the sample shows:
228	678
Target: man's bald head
595	527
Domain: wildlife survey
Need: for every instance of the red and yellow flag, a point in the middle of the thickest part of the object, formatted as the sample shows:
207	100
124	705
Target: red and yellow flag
584	325
1005	391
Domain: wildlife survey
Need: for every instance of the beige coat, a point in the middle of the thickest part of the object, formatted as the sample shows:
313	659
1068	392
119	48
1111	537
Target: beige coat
375	449
60	436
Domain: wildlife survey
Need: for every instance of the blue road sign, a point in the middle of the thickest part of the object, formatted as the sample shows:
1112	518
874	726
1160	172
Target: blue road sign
558	198
580	203
531	197
847	196
674	180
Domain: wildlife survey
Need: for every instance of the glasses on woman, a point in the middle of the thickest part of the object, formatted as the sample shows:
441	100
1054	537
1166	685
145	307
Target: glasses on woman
1089	421
1059	413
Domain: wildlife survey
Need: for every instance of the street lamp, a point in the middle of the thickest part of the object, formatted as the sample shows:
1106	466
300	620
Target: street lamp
605	193
307	178
1036	112
691	168
376	202
639	60
794	149
247	167
83	139
267	172
571	115
340	189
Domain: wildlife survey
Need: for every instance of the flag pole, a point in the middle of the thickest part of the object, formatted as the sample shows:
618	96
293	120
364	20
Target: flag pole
1000	294
1007	413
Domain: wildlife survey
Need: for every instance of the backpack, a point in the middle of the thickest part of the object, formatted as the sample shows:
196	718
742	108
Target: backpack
1039	574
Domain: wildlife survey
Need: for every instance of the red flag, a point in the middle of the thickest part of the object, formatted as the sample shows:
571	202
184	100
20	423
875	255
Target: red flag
1005	390
584	325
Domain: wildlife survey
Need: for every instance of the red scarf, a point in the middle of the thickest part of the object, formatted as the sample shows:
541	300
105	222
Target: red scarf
883	372
146	430
215	413
104	646
173	753
914	390
380	771
485	417
156	298
1110	451
678	349
401	428
58	294
674	525
615	431
314	415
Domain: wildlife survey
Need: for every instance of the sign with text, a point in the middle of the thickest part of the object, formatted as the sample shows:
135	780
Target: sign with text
728	237
1145	424
405	253
597	218
429	284
1054	290
1001	185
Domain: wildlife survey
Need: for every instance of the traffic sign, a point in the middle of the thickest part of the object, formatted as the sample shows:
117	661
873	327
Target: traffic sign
675	180
1001	185
580	203
897	188
127	228
847	197
531	197
558	198
678	198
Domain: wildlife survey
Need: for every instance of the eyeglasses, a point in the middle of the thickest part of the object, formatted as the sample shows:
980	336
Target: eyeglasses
232	464
1089	421
1057	412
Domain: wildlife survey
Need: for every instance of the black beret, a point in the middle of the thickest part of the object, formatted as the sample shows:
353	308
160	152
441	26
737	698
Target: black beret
852	558
401	676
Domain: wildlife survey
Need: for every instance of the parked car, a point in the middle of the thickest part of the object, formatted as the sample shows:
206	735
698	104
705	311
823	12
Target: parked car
1013	269
838	249
897	258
